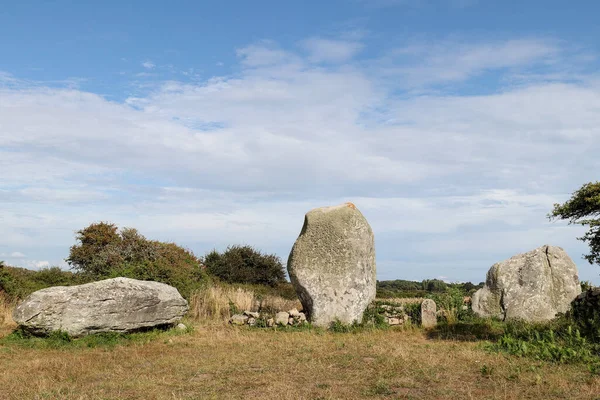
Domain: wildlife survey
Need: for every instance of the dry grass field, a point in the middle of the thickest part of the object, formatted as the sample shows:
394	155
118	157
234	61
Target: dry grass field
216	361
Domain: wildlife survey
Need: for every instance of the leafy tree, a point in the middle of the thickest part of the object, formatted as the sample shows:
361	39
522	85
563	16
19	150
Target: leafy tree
583	208
434	285
244	264
105	252
97	252
18	283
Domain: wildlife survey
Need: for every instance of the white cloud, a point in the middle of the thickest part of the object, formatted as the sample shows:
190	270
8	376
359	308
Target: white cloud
451	180
17	254
427	63
326	50
148	65
266	53
39	264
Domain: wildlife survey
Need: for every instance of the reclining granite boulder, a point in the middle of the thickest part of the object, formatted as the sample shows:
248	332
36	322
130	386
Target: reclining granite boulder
332	265
111	305
533	286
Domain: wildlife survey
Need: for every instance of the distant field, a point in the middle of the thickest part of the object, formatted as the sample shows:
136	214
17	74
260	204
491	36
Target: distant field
217	361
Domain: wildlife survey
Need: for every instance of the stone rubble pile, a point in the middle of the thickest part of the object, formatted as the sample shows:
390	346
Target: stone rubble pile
283	318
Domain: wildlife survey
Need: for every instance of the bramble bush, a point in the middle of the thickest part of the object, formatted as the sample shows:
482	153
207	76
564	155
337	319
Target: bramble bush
18	283
244	264
585	312
105	252
558	341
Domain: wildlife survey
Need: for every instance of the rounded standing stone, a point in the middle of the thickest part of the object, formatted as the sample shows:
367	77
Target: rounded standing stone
428	313
332	265
533	286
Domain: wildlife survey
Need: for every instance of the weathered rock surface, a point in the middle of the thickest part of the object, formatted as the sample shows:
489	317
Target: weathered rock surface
252	314
428	313
239	319
533	286
112	305
282	318
332	265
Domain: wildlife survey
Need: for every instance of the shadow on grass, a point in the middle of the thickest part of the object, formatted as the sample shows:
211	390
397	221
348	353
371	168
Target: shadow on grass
468	331
62	340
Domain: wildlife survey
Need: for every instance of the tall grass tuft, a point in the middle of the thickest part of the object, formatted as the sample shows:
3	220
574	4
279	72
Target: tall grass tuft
220	302
6	308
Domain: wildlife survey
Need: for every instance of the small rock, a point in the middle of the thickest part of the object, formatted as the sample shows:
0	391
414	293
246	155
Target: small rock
394	321
252	314
290	321
302	317
270	322
251	321
282	318
238	319
181	327
293	312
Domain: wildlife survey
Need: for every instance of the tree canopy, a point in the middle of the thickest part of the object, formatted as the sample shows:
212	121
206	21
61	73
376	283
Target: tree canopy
104	251
583	208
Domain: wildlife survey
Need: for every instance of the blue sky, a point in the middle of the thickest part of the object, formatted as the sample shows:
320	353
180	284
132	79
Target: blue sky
453	125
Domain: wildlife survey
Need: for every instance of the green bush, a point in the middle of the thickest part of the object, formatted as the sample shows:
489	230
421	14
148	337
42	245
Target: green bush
404	289
413	310
585	312
451	302
105	252
557	341
18	283
244	264
98	250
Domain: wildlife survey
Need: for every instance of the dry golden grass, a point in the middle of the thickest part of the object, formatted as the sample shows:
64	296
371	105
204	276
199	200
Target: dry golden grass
215	302
221	362
6	322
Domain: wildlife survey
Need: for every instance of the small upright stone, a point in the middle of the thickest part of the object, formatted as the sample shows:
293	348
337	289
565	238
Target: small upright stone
332	265
270	322
181	327
428	313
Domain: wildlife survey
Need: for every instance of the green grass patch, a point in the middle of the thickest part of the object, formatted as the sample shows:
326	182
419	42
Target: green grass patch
62	340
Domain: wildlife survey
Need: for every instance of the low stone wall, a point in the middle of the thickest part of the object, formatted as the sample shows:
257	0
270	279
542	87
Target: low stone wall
394	313
292	317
